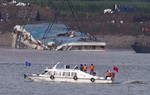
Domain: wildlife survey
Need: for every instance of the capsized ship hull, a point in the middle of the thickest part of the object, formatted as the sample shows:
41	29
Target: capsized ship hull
58	38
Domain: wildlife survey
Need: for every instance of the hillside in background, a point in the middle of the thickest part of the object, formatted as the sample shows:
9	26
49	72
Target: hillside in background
114	28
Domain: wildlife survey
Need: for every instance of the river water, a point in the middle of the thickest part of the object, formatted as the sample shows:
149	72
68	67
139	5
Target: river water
133	77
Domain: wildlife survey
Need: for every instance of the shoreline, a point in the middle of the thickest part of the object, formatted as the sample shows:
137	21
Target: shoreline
117	41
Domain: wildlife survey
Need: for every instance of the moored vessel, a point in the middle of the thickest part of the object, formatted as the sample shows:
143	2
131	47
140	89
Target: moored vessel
142	44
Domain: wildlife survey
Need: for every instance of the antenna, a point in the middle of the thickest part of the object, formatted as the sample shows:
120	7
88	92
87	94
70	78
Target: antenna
55	65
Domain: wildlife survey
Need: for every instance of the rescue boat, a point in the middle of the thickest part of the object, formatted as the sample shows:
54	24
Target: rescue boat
67	75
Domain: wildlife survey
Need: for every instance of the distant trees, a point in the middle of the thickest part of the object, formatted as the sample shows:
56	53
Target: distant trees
116	0
94	6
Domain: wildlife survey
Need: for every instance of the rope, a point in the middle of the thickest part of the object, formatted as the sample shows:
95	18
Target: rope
50	2
72	8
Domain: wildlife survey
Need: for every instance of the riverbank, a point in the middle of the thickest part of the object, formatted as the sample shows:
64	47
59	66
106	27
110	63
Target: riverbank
119	30
117	41
5	40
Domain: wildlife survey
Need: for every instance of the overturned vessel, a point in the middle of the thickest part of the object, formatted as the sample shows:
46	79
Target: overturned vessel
59	38
67	74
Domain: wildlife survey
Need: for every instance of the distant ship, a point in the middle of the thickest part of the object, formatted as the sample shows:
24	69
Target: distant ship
140	48
142	45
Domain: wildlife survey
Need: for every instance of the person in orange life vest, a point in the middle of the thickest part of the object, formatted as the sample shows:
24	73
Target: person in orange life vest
91	69
108	74
85	68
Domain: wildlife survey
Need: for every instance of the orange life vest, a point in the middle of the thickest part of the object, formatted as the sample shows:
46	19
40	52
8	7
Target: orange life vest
91	67
108	73
84	67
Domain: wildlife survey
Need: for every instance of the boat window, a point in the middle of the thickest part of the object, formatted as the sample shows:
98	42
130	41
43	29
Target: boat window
79	47
56	73
63	73
74	48
59	73
93	47
88	47
73	74
53	72
66	66
102	47
66	73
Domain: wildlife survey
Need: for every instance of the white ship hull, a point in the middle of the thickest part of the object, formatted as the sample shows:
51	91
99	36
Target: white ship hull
37	78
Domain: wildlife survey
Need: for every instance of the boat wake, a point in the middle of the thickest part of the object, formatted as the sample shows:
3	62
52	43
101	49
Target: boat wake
134	82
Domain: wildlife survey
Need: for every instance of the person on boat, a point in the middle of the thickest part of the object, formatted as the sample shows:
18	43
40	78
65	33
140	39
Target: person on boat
108	74
91	69
85	68
81	67
76	67
112	75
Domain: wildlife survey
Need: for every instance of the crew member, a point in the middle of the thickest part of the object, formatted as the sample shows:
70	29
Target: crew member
85	68
108	74
91	69
81	67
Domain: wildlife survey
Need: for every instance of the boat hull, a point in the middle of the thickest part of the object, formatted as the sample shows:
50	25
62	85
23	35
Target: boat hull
67	80
140	49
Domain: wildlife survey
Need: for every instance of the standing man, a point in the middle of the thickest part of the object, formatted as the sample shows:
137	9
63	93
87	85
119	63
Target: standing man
91	69
81	67
85	68
108	74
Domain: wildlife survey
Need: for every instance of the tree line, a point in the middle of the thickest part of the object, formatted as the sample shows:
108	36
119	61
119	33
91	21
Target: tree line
93	6
113	0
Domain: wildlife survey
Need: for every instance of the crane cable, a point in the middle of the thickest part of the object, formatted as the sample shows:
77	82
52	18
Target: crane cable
50	2
71	3
71	6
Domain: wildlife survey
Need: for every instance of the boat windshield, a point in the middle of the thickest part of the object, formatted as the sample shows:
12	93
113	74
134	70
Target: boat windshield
44	72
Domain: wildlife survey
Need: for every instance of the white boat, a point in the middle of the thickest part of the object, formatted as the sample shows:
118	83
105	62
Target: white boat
67	74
